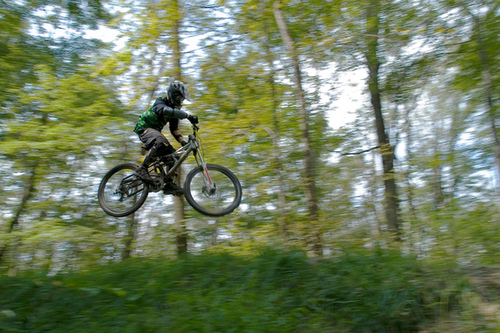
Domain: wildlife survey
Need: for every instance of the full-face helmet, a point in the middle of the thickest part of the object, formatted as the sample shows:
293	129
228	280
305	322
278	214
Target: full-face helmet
177	92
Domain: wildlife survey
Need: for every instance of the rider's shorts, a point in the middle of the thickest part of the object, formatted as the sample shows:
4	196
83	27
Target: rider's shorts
150	137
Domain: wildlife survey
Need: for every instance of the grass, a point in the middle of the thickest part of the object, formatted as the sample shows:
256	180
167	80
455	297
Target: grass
275	291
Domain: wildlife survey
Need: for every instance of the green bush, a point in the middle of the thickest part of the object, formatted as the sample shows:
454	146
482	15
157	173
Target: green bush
275	291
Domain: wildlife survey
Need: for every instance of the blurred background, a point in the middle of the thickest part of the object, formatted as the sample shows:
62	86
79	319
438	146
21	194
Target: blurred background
352	125
359	122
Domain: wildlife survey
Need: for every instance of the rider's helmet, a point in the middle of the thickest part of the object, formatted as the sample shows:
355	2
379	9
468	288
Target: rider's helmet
177	92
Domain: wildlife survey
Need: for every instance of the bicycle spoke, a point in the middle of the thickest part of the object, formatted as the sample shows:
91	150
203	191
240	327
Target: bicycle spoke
121	192
219	196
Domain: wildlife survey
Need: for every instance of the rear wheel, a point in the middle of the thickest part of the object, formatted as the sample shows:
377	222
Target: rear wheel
215	191
121	192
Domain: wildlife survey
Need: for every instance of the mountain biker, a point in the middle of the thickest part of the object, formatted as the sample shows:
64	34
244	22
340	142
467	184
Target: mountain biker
164	110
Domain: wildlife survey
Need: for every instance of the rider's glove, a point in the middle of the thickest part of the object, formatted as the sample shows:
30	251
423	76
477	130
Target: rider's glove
183	143
193	119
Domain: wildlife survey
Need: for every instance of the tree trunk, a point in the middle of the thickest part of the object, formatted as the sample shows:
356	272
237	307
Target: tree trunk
487	82
176	43
131	231
180	223
437	183
28	188
214	233
371	191
391	198
306	146
180	216
275	132
488	94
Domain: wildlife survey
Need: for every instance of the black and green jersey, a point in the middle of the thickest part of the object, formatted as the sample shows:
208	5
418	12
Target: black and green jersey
159	115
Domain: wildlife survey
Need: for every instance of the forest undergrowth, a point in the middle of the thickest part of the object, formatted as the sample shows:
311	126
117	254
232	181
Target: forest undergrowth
273	291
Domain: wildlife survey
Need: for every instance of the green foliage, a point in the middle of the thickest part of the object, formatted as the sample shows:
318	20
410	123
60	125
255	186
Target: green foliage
59	117
19	52
274	291
64	119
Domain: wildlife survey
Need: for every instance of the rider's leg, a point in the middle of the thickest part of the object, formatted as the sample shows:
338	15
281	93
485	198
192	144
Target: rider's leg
159	150
158	145
151	137
170	187
142	171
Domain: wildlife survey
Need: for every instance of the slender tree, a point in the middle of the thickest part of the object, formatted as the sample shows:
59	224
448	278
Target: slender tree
387	151
28	189
180	216
483	43
309	172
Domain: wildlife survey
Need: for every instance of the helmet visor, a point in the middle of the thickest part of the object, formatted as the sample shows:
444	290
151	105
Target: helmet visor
178	99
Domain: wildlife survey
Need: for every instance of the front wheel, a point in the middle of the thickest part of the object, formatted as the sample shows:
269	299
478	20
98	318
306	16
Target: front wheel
214	191
121	192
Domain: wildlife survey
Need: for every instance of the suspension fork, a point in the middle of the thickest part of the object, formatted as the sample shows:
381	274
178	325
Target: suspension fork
207	180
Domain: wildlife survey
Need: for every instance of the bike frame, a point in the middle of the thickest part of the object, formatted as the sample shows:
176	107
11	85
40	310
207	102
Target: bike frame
182	154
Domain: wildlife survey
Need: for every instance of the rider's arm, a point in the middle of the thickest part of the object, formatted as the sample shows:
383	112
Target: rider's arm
165	111
178	136
174	129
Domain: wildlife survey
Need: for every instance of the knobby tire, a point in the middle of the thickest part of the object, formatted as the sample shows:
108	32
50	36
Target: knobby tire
229	187
105	202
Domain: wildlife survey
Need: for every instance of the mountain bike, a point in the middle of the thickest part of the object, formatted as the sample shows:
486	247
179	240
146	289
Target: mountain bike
211	189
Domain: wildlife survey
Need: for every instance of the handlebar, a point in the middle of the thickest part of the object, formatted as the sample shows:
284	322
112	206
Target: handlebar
194	136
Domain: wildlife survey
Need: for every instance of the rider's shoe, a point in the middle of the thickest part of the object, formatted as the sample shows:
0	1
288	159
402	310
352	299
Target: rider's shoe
142	172
172	188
